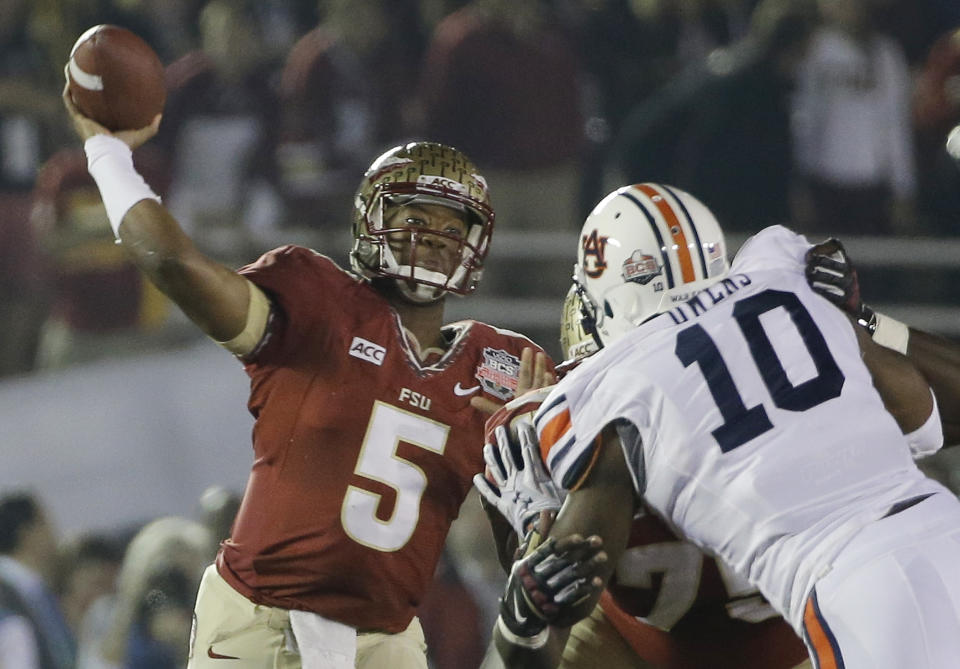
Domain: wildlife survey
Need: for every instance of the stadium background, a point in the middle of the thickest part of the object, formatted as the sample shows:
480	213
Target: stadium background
114	421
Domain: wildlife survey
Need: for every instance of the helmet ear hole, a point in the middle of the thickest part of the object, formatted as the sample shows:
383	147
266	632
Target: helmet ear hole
607	309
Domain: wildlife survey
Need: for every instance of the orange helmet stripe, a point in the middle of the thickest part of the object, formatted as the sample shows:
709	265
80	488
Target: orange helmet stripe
676	231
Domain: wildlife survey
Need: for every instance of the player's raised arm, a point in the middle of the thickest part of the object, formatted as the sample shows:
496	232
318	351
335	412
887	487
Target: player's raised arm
214	297
938	359
905	393
832	274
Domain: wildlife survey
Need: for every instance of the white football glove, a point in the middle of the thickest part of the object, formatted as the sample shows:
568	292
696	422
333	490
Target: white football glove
520	489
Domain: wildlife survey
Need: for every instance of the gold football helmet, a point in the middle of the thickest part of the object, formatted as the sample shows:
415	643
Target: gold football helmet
576	342
424	173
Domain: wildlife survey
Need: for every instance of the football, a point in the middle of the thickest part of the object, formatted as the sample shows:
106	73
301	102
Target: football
953	143
116	78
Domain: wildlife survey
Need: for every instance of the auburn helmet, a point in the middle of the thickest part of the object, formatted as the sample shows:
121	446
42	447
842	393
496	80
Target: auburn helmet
425	173
643	249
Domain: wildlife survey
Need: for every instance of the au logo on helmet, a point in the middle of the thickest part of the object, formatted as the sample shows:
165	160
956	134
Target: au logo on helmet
594	254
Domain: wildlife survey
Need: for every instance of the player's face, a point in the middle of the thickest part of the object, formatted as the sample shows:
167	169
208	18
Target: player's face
436	236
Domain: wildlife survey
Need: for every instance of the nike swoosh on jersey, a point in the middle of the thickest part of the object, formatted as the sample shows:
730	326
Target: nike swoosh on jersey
460	390
217	656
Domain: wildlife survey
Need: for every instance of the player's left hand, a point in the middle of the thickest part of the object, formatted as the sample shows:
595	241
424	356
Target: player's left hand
547	585
831	273
534	373
521	487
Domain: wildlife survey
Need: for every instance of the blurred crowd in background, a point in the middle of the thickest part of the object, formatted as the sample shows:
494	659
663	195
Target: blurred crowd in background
830	115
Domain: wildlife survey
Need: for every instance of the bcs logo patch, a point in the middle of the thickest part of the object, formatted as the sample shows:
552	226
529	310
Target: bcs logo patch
640	268
594	254
499	373
367	350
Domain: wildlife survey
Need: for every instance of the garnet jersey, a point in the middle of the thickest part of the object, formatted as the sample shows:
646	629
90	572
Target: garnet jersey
676	607
758	440
362	455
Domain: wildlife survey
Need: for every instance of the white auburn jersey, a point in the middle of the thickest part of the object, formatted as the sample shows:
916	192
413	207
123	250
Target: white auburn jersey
761	438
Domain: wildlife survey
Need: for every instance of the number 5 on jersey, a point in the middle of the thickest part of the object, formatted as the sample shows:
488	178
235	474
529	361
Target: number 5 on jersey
379	461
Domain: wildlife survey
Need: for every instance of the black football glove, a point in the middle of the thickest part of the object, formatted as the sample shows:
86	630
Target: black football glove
547	584
831	273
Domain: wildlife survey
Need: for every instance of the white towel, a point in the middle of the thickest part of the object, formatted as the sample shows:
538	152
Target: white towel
323	644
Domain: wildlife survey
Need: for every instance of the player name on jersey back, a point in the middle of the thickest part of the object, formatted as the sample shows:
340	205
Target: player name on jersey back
709	297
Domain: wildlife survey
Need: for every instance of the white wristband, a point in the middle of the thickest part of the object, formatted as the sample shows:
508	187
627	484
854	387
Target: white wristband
928	438
891	333
110	162
538	640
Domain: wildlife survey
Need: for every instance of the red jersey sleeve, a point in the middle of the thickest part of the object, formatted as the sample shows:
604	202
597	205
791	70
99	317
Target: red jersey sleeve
305	288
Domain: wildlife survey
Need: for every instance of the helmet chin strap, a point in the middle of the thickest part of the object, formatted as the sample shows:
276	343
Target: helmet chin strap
420	292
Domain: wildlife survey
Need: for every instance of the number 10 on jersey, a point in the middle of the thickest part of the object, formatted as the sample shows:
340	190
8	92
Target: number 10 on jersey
740	423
